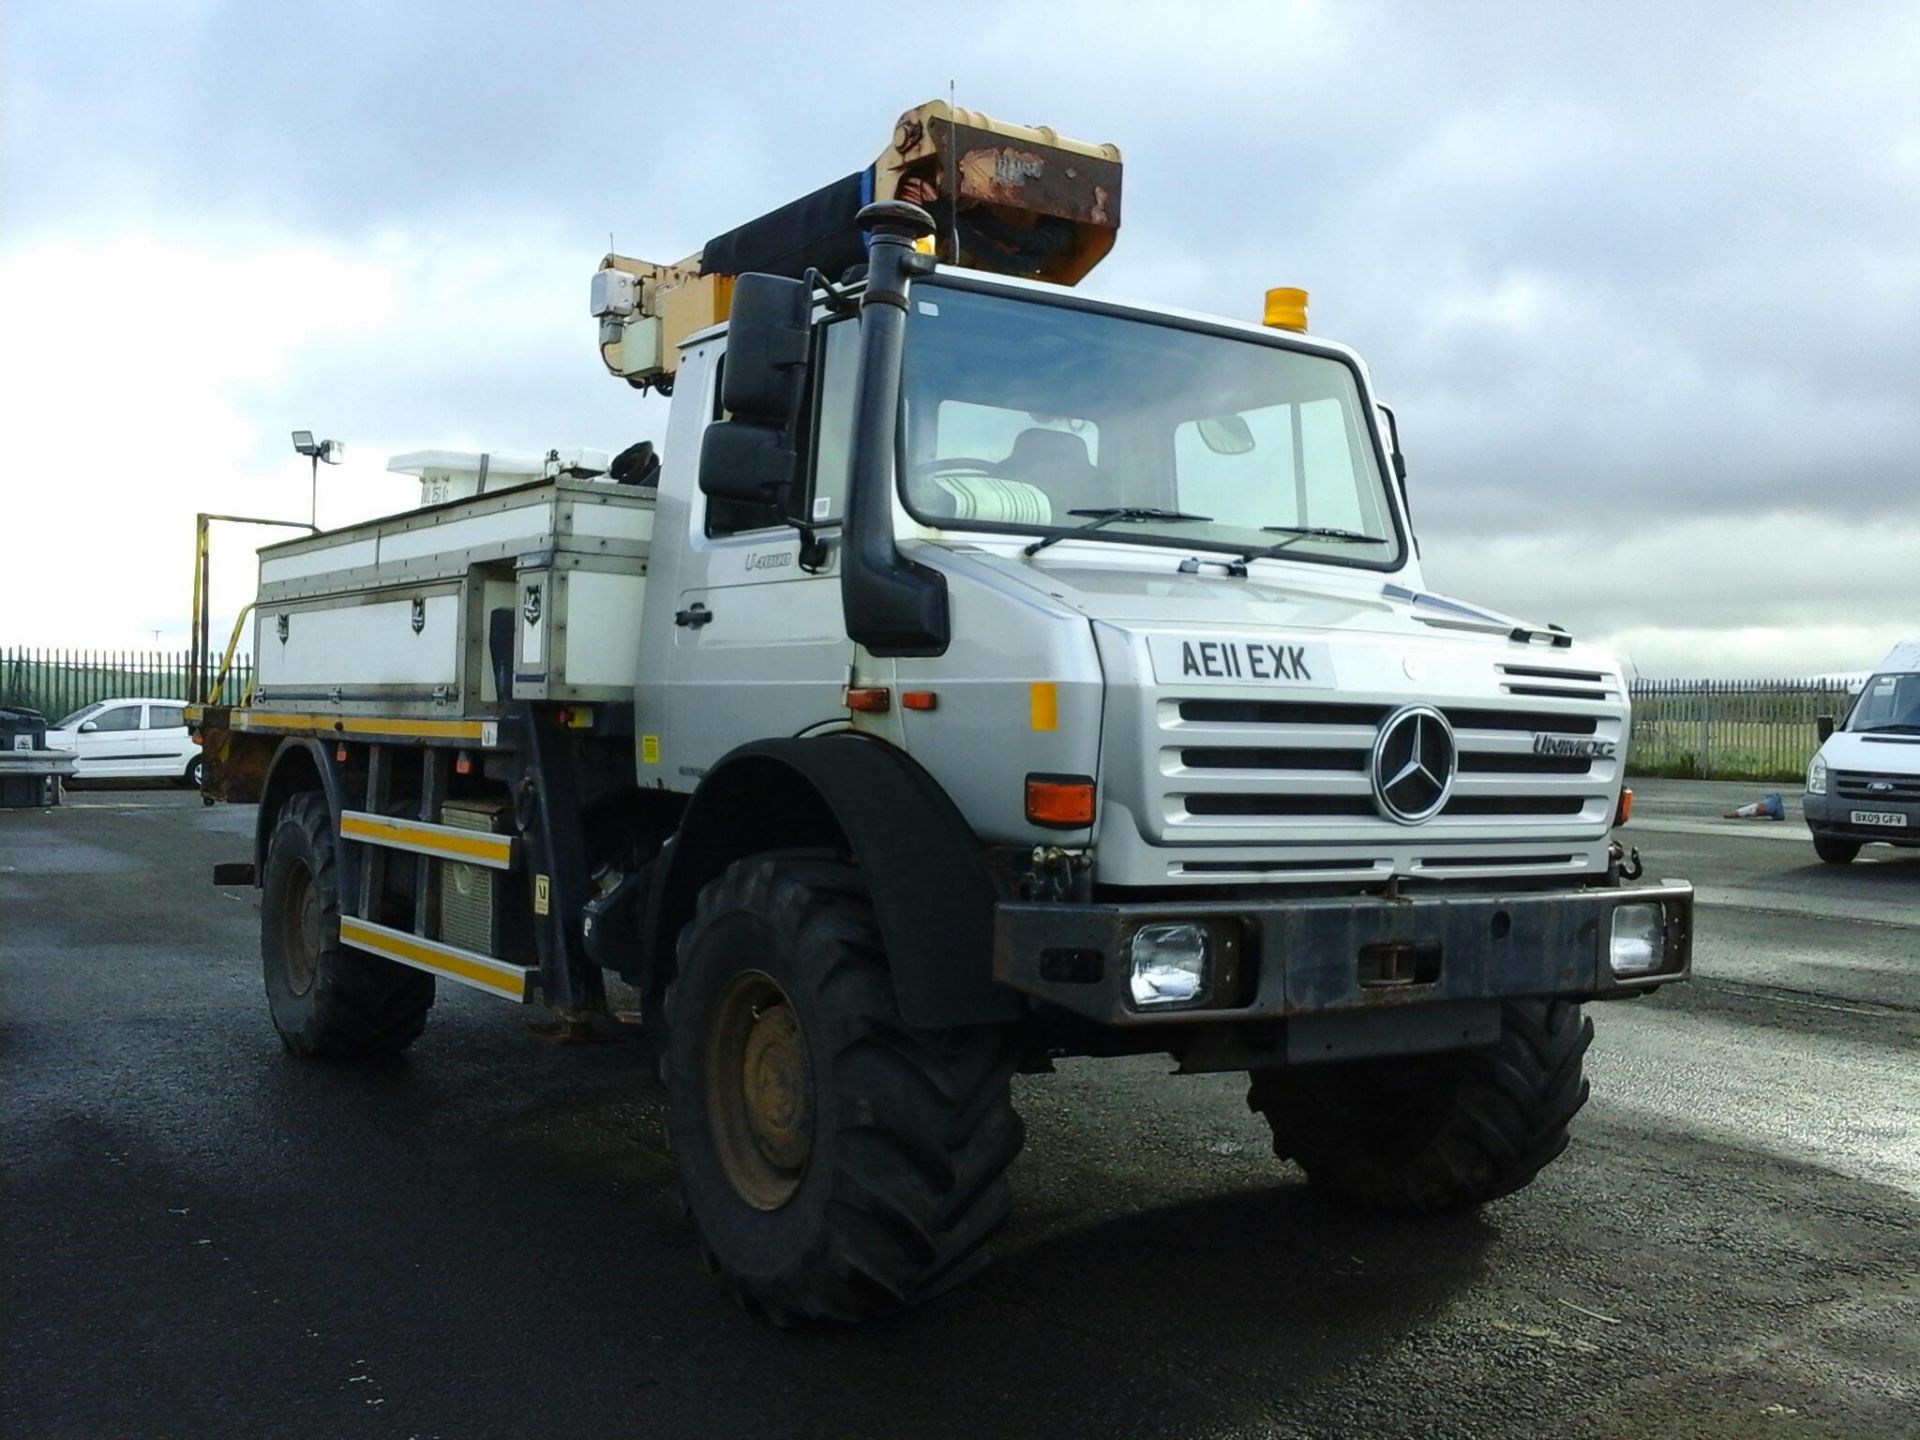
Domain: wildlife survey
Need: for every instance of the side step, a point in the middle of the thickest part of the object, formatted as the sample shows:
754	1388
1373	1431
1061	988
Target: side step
469	967
446	842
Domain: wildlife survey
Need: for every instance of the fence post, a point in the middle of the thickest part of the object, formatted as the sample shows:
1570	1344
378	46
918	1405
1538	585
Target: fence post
1702	757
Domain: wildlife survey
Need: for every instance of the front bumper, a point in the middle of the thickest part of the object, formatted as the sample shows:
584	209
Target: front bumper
1832	814
1350	954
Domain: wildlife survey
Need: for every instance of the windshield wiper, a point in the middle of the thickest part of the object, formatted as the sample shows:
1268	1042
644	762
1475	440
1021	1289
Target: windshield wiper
1319	532
1296	533
1902	727
1106	517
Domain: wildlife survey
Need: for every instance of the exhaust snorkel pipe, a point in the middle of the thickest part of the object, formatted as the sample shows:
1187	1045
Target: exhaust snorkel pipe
894	605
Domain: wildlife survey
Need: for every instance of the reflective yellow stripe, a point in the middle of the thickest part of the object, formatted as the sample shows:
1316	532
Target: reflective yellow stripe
483	972
479	731
495	851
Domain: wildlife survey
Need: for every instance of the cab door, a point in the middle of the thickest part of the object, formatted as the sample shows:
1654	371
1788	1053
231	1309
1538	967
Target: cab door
759	647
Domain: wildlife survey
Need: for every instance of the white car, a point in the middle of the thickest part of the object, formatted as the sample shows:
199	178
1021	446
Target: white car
134	737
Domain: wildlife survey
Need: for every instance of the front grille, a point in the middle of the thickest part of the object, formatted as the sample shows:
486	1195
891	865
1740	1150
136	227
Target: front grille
1293	804
1283	712
1557	683
1273	771
1859	785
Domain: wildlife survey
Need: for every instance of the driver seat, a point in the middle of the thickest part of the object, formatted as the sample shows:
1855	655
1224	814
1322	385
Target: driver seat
1056	461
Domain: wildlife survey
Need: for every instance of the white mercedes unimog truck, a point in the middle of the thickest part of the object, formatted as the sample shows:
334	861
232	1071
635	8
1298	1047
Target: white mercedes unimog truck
979	674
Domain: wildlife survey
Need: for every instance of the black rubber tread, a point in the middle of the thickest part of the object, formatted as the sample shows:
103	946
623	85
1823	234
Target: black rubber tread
1422	1136
1835	850
914	1129
358	1004
186	776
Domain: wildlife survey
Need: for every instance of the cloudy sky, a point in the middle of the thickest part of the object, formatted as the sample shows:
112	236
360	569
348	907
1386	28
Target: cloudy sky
1641	282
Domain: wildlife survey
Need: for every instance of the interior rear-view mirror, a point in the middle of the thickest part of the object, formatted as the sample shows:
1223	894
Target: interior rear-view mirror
1226	434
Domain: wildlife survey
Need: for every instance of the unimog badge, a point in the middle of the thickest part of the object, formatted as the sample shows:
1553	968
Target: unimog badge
1575	747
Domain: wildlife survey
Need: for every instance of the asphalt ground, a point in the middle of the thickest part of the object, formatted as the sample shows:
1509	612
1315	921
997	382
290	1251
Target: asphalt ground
203	1236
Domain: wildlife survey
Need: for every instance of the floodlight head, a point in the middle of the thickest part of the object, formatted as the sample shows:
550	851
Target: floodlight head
333	452
303	442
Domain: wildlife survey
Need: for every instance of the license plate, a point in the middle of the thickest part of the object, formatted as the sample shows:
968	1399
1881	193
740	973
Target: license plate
1224	660
1879	817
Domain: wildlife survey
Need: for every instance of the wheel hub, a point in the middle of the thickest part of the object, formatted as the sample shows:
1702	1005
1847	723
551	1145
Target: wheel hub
304	933
760	1088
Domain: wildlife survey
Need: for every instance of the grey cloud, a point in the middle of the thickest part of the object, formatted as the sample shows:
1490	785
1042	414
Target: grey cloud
1712	206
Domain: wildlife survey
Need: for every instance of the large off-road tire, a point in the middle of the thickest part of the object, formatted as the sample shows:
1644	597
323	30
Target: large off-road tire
837	1163
1835	850
1423	1135
326	998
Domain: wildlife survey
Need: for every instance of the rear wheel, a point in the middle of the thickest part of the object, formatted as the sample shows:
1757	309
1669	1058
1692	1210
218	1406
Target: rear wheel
836	1162
192	775
326	998
1433	1133
1834	850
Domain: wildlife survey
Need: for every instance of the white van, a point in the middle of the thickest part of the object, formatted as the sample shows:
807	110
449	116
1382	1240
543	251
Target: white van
1863	785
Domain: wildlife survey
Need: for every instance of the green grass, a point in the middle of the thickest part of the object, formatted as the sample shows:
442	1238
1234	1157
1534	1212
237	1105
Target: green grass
1772	750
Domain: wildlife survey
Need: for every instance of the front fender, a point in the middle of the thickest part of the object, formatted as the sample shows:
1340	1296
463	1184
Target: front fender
931	891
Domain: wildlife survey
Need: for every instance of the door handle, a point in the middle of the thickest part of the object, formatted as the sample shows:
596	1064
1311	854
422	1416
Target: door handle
693	617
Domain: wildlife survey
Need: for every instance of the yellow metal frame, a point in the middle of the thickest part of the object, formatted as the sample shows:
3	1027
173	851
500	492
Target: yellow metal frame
226	660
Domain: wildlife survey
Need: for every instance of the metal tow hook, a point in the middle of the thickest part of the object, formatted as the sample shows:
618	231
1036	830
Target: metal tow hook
694	616
1627	859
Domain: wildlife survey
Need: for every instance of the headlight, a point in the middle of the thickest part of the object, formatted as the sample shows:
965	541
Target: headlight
1639	940
1817	777
1169	965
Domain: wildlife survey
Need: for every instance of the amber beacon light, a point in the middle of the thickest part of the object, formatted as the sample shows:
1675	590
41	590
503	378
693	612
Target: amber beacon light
1286	309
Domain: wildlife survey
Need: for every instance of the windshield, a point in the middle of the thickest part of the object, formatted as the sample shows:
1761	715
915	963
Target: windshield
1040	418
1890	702
74	719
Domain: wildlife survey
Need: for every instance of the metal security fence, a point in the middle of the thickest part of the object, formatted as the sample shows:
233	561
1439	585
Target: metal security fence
58	682
1730	729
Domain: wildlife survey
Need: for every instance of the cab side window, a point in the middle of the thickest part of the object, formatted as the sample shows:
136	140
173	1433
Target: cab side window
829	440
166	717
120	717
729	517
838	358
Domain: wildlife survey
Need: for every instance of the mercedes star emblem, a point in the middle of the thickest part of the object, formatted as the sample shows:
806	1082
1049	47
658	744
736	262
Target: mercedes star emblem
1413	764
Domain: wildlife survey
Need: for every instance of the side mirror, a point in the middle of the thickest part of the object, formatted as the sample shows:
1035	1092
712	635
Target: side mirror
87	727
1823	726
753	457
747	464
767	334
